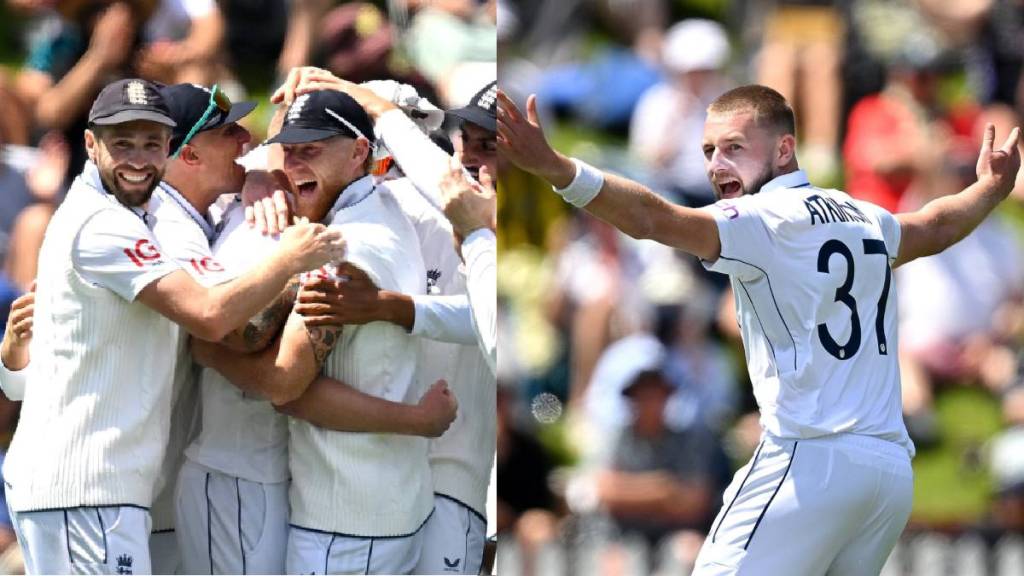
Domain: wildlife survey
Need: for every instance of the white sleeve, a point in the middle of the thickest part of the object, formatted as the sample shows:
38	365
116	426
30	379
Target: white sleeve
198	8
444	318
13	382
114	249
746	243
891	230
423	162
190	249
480	252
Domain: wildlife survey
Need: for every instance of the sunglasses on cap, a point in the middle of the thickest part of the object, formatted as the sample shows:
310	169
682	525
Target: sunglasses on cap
218	100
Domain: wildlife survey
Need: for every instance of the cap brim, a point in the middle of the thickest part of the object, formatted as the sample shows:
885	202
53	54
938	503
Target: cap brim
133	115
476	116
295	135
238	111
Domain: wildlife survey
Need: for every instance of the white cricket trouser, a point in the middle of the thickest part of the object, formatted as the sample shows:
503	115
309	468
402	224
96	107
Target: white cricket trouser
834	505
315	552
85	540
453	539
163	552
227	525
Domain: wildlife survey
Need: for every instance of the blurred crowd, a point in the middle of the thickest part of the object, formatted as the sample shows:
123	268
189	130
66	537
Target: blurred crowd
624	404
58	54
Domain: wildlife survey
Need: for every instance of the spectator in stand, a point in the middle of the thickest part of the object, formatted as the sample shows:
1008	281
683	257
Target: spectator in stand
668	121
66	69
182	43
954	306
801	55
893	137
25	218
660	481
1007	458
357	42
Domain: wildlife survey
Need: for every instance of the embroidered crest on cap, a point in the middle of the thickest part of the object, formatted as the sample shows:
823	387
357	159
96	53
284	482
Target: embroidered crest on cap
296	108
136	92
487	98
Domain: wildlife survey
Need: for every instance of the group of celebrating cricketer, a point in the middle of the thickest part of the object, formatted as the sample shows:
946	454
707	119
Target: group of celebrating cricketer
276	363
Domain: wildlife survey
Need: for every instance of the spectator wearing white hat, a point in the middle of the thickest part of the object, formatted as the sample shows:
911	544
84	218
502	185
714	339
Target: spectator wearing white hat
667	124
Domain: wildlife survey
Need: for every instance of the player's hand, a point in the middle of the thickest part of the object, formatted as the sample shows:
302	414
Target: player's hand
469	205
521	140
18	334
113	35
267	199
438	408
310	79
309	246
352	299
1000	166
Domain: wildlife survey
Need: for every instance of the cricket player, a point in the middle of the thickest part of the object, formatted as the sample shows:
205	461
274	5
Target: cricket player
829	488
358	500
232	499
455	535
109	305
205	142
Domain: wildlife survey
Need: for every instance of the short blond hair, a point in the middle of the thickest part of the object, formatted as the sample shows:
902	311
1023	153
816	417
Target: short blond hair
771	110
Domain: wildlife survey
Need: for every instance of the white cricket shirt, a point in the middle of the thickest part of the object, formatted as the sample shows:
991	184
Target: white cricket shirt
460	460
368	485
817	309
241	435
94	424
185	236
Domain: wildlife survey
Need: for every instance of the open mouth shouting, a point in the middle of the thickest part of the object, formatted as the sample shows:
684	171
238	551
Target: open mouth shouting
306	186
729	187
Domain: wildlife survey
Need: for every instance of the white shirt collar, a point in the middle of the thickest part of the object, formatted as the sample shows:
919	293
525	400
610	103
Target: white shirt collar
91	178
794	179
353	194
187	206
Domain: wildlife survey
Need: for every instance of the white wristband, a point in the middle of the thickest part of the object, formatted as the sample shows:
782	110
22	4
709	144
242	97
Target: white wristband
584	186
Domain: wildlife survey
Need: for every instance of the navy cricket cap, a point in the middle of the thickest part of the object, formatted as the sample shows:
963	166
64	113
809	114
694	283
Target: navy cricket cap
128	100
324	114
188	102
482	109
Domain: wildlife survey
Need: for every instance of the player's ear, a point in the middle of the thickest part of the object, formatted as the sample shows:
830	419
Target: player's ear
189	156
785	152
361	150
91	142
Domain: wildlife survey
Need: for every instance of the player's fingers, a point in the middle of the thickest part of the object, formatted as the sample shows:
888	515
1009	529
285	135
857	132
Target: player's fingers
321	284
321	321
988	138
21	320
312	86
485	178
357	277
1011	141
312	294
281	209
531	110
250	216
313	309
508	108
270	213
283	93
259	217
332	235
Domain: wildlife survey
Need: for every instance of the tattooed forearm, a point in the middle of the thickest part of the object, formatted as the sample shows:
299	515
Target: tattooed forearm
263	327
322	339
